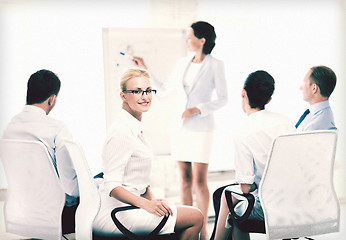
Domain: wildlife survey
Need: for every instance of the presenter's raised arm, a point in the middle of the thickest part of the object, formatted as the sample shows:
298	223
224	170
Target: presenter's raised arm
139	62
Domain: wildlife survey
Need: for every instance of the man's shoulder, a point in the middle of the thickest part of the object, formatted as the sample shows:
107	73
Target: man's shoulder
36	127
268	117
321	120
280	116
264	121
36	120
56	121
324	112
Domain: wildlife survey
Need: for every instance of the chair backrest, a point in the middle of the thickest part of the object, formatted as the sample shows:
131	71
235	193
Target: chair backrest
296	191
34	199
89	196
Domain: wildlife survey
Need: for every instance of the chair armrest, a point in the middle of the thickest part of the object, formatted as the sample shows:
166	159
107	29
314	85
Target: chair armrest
235	217
130	234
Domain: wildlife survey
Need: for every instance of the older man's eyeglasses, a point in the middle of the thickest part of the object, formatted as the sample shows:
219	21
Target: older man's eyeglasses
140	91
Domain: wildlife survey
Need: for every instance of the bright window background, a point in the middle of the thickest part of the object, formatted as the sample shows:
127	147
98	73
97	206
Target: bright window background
66	37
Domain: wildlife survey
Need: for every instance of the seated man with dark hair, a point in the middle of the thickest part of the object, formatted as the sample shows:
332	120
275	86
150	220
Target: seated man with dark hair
34	124
318	84
252	143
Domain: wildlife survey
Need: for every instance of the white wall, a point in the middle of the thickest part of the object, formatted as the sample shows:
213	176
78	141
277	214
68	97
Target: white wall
66	37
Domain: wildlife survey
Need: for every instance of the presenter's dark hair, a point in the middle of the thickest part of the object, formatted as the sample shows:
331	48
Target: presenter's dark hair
259	87
325	79
205	30
41	85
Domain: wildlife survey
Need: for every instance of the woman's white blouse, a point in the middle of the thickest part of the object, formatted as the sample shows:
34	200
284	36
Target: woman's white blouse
127	157
190	75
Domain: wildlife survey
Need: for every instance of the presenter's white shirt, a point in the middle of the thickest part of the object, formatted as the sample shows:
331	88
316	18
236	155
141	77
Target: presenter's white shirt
207	91
33	124
190	75
253	141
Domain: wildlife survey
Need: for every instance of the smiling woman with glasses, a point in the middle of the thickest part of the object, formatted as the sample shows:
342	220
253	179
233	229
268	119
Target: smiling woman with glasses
127	158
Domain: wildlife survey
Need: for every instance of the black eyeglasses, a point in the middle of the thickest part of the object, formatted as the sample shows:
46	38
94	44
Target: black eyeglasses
140	91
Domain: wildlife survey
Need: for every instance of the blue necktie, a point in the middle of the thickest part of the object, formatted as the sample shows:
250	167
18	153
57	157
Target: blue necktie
307	111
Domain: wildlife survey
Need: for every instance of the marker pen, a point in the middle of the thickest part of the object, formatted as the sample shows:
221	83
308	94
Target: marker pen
126	55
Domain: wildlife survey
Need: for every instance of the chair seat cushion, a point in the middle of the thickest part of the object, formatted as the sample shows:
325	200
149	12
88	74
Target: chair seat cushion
252	225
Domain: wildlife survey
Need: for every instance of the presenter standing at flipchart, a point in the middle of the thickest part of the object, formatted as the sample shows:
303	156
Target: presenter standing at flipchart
196	78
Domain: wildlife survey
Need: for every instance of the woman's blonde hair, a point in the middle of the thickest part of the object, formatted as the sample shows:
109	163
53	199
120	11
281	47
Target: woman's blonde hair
132	73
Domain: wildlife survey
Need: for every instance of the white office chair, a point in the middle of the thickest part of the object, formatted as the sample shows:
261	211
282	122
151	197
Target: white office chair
34	199
89	197
296	191
90	203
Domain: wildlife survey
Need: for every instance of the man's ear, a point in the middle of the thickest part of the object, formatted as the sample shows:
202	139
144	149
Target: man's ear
203	41
315	88
243	93
51	100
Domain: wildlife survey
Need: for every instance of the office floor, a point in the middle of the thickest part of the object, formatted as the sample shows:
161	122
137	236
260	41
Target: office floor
171	194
